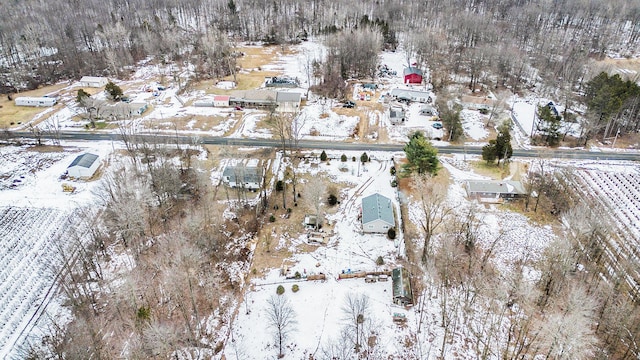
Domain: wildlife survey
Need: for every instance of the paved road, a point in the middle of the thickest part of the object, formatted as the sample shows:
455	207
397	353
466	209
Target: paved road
339	145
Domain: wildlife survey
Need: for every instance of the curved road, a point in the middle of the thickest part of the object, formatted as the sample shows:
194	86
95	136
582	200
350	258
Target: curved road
335	145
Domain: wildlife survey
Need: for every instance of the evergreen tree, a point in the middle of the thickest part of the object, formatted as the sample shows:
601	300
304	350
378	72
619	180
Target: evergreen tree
114	91
500	147
549	125
422	156
82	96
453	124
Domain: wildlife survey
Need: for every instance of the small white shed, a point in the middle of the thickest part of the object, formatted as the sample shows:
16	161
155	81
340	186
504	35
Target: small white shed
221	100
35	101
93	81
83	166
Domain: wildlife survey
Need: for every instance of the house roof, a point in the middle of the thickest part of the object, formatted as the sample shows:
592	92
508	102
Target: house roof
255	95
84	160
409	94
92	79
35	98
221	98
248	173
285	96
401	283
412	70
495	186
377	207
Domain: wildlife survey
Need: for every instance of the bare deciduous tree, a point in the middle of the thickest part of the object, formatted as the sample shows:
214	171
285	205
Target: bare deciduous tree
281	318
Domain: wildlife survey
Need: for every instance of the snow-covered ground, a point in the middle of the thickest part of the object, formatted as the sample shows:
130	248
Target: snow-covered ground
37	221
473	124
319	305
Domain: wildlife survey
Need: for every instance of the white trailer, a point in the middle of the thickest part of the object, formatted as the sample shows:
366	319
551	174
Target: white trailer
35	101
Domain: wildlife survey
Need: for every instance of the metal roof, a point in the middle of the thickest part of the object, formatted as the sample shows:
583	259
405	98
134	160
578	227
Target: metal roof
401	283
412	70
93	79
84	160
495	186
282	96
249	174
376	207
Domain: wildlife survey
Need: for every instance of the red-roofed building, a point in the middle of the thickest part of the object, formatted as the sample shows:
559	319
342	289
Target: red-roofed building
221	100
412	75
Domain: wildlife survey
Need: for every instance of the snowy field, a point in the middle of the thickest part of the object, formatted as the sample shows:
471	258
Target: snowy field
37	221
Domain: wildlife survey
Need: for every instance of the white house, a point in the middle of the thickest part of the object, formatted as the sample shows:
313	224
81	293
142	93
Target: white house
35	101
377	214
242	176
396	115
494	191
93	81
221	100
83	166
288	101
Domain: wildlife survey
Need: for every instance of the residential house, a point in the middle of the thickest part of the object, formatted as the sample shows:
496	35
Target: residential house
411	95
93	81
377	214
288	101
243	176
35	101
253	98
402	294
83	166
412	75
494	191
477	102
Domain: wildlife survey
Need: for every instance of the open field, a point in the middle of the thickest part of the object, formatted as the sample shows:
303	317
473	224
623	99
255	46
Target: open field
10	113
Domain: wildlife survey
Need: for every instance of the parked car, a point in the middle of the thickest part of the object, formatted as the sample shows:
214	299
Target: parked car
238	108
349	104
437	126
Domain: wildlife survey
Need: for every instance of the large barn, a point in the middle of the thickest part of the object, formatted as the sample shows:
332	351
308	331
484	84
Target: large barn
412	75
83	166
377	214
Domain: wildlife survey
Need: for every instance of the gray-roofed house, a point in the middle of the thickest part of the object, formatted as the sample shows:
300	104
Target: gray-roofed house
247	177
288	101
411	95
402	294
427	110
494	191
83	166
377	214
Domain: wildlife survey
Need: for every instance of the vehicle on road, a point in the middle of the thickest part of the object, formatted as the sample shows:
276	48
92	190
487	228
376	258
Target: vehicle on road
437	126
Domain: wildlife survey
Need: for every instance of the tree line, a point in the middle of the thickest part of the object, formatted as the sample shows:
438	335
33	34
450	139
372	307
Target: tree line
520	43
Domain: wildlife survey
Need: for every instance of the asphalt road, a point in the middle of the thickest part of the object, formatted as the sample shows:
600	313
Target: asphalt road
352	146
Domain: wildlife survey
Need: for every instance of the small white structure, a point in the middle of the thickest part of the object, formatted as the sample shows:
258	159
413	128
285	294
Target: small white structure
93	81
35	101
377	214
83	166
221	100
396	115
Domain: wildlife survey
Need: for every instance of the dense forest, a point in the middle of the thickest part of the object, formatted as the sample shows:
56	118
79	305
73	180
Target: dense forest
501	42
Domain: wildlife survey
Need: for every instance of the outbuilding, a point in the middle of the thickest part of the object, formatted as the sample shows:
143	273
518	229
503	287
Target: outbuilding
35	101
93	81
83	166
221	100
402	294
412	75
377	214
